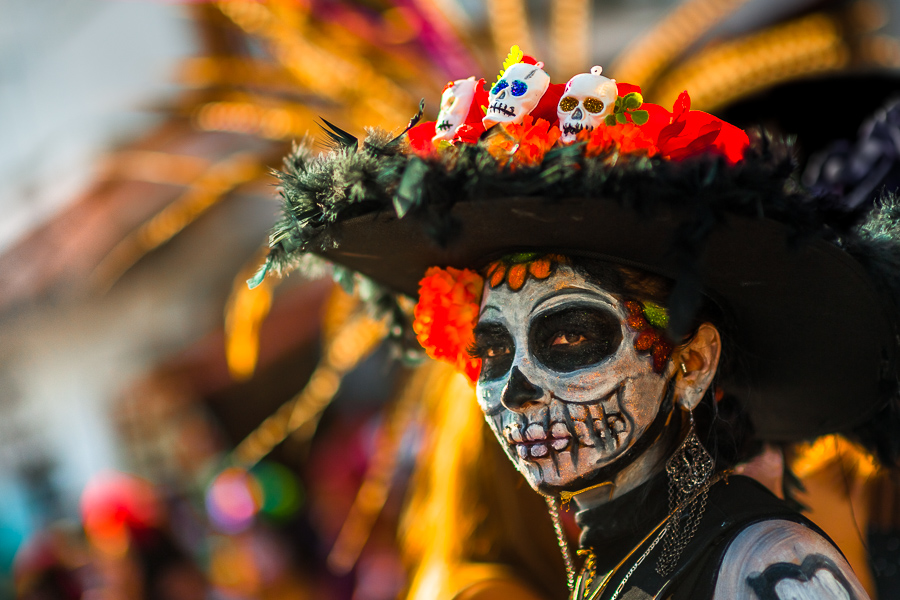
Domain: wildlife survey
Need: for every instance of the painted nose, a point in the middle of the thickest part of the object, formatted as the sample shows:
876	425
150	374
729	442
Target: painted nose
502	95
519	392
577	115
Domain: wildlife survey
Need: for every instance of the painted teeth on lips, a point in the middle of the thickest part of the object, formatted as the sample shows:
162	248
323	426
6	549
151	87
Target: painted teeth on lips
584	435
513	433
443	126
615	422
561	436
536	443
578	412
535	432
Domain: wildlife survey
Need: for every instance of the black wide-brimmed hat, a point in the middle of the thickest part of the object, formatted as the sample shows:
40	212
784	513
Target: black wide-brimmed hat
811	286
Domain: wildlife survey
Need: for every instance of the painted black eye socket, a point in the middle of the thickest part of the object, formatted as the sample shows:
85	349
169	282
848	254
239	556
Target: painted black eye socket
569	339
495	347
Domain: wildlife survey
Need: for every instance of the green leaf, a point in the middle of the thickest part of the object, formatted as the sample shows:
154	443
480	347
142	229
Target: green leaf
656	315
620	118
521	257
640	117
610	120
633	100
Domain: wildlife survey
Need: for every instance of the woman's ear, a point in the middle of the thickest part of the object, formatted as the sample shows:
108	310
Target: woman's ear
695	364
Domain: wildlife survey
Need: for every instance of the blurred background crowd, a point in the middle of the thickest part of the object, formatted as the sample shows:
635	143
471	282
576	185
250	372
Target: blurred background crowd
165	433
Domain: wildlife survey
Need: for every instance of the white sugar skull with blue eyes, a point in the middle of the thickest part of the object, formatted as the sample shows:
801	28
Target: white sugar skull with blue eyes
516	94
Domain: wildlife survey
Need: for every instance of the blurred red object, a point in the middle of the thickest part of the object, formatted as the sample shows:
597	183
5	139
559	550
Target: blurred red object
114	504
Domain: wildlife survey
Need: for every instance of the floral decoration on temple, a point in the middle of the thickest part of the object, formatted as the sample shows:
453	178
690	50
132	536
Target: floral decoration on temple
650	320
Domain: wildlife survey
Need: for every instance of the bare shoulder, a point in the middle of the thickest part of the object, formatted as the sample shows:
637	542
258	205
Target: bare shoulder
781	560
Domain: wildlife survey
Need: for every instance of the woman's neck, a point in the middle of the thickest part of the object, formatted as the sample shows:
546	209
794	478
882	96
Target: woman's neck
614	517
650	464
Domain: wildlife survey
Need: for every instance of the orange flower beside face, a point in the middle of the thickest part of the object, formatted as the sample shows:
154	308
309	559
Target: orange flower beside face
446	314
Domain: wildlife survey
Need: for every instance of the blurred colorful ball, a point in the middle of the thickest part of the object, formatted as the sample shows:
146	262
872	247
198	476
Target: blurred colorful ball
233	499
282	494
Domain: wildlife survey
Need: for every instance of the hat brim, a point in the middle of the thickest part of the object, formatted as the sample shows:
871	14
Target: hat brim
817	338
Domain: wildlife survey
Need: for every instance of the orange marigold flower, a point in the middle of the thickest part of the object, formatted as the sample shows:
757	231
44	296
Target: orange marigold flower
627	138
445	316
523	144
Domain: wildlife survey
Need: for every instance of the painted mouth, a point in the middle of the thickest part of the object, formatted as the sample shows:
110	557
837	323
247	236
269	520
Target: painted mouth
503	109
535	441
569	129
443	126
591	426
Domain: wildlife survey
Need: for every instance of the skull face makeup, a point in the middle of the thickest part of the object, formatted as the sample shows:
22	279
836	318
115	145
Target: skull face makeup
562	386
588	98
455	103
516	94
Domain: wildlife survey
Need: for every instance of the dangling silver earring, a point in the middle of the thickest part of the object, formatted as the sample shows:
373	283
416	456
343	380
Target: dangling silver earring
689	470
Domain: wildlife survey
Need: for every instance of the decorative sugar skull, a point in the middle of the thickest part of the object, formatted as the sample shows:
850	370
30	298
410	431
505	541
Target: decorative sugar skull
588	98
516	94
455	103
562	386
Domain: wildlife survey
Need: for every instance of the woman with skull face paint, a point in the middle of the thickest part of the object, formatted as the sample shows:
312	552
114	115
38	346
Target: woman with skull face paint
639	308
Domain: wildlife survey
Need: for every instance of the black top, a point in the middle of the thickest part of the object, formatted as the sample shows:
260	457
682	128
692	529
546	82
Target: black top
613	529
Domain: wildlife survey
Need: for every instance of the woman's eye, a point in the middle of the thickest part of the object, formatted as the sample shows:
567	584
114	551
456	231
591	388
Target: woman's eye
574	337
495	347
567	339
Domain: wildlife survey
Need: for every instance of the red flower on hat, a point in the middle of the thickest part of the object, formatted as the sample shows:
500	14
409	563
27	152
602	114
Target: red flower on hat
446	314
694	132
420	139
